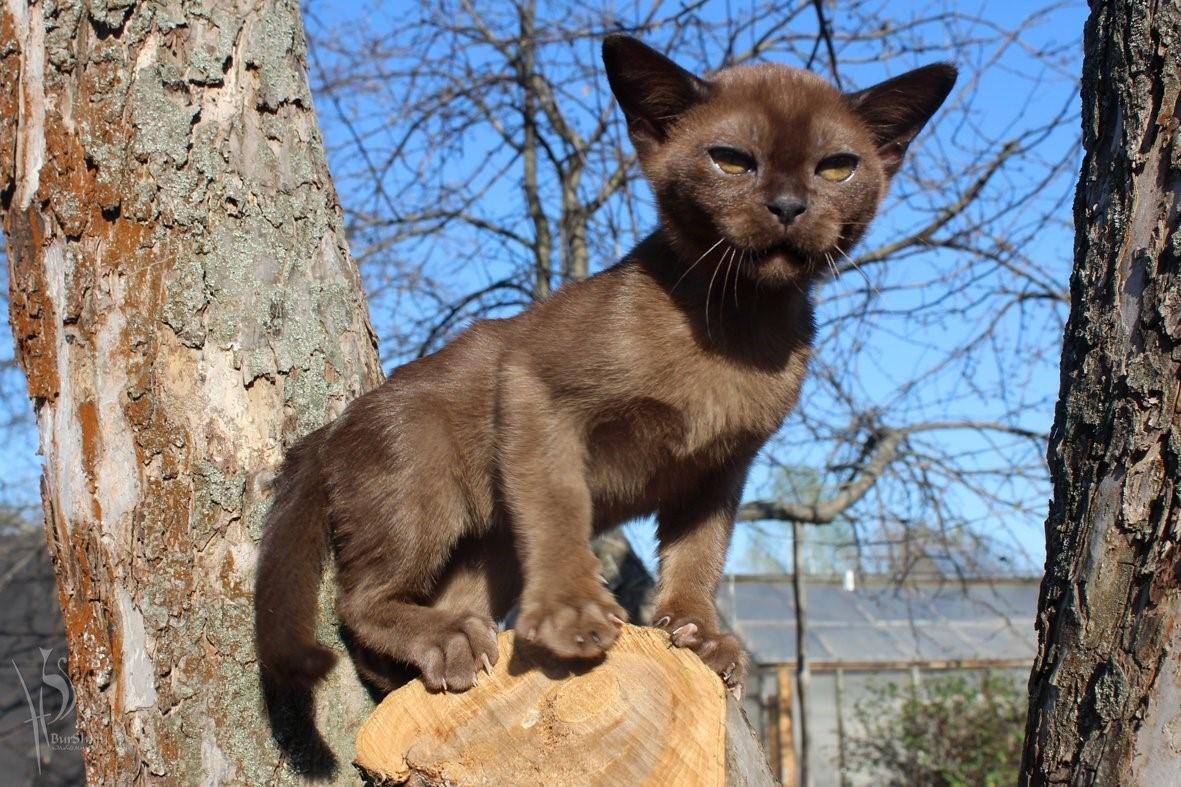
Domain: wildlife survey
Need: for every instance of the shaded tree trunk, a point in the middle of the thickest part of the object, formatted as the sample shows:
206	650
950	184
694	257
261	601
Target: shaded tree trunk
1105	694
184	306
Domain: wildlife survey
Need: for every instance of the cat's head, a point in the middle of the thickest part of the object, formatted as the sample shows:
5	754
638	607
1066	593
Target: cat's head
770	161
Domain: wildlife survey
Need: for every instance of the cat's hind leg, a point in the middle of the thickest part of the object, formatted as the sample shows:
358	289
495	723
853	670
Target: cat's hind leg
422	599
378	673
387	580
483	576
447	647
480	582
401	509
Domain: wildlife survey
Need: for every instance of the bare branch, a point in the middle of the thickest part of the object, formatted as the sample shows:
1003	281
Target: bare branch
882	448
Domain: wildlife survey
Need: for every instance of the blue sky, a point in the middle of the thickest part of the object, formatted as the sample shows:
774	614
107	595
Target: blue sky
1006	88
1014	91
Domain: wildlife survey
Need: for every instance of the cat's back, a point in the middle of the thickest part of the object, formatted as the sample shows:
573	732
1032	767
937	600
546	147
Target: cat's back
433	416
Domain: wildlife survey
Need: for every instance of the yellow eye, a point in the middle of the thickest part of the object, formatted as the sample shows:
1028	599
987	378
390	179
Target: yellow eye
731	161
837	168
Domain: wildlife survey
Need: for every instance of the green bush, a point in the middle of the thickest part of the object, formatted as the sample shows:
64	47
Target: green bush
950	732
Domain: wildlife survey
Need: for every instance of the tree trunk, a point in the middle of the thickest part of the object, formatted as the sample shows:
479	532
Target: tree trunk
184	306
1105	694
648	714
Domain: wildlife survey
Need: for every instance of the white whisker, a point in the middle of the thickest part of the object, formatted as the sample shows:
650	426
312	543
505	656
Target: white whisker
725	281
873	287
710	290
694	265
737	277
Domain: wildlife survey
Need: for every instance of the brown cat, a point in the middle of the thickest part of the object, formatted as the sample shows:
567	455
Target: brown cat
477	476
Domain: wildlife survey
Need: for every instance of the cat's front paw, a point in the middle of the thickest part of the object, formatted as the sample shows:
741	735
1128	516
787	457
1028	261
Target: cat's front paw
573	622
721	652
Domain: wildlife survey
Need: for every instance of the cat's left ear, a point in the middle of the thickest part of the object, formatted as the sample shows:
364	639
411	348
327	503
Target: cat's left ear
896	110
652	90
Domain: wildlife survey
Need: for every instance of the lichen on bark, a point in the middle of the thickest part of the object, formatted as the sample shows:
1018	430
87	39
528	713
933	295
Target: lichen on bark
185	306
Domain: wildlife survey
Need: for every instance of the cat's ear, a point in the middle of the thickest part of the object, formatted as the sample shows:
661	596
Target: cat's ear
652	90
896	110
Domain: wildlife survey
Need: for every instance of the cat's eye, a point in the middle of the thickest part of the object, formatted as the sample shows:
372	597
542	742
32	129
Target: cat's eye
837	168
731	161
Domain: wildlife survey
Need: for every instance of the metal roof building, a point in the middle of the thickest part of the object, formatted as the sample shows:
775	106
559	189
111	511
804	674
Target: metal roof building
872	630
882	622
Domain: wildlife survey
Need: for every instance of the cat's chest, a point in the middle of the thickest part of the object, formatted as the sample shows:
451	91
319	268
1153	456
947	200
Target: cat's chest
662	441
695	409
663	397
718	401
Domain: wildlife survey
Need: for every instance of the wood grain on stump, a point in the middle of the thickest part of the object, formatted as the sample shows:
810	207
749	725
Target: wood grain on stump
648	714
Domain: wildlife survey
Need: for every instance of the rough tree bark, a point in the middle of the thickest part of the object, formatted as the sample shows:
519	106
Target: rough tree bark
1105	693
184	306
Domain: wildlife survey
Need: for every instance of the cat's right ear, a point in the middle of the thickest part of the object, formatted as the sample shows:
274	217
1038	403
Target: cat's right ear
896	110
652	90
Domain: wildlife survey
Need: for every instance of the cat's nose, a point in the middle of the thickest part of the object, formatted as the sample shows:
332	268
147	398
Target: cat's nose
787	208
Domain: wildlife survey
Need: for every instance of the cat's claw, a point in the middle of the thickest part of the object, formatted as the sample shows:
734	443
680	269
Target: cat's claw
575	622
487	664
684	635
721	652
452	654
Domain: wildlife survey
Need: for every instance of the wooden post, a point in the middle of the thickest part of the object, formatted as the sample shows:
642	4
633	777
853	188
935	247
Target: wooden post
647	714
840	700
770	701
916	680
803	675
788	774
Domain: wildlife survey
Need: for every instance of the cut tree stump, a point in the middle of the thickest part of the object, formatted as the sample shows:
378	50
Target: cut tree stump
648	714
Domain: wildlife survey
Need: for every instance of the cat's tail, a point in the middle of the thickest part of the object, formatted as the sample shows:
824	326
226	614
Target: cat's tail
290	564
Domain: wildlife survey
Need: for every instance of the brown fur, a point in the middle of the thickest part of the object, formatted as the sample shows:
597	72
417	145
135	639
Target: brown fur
478	475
